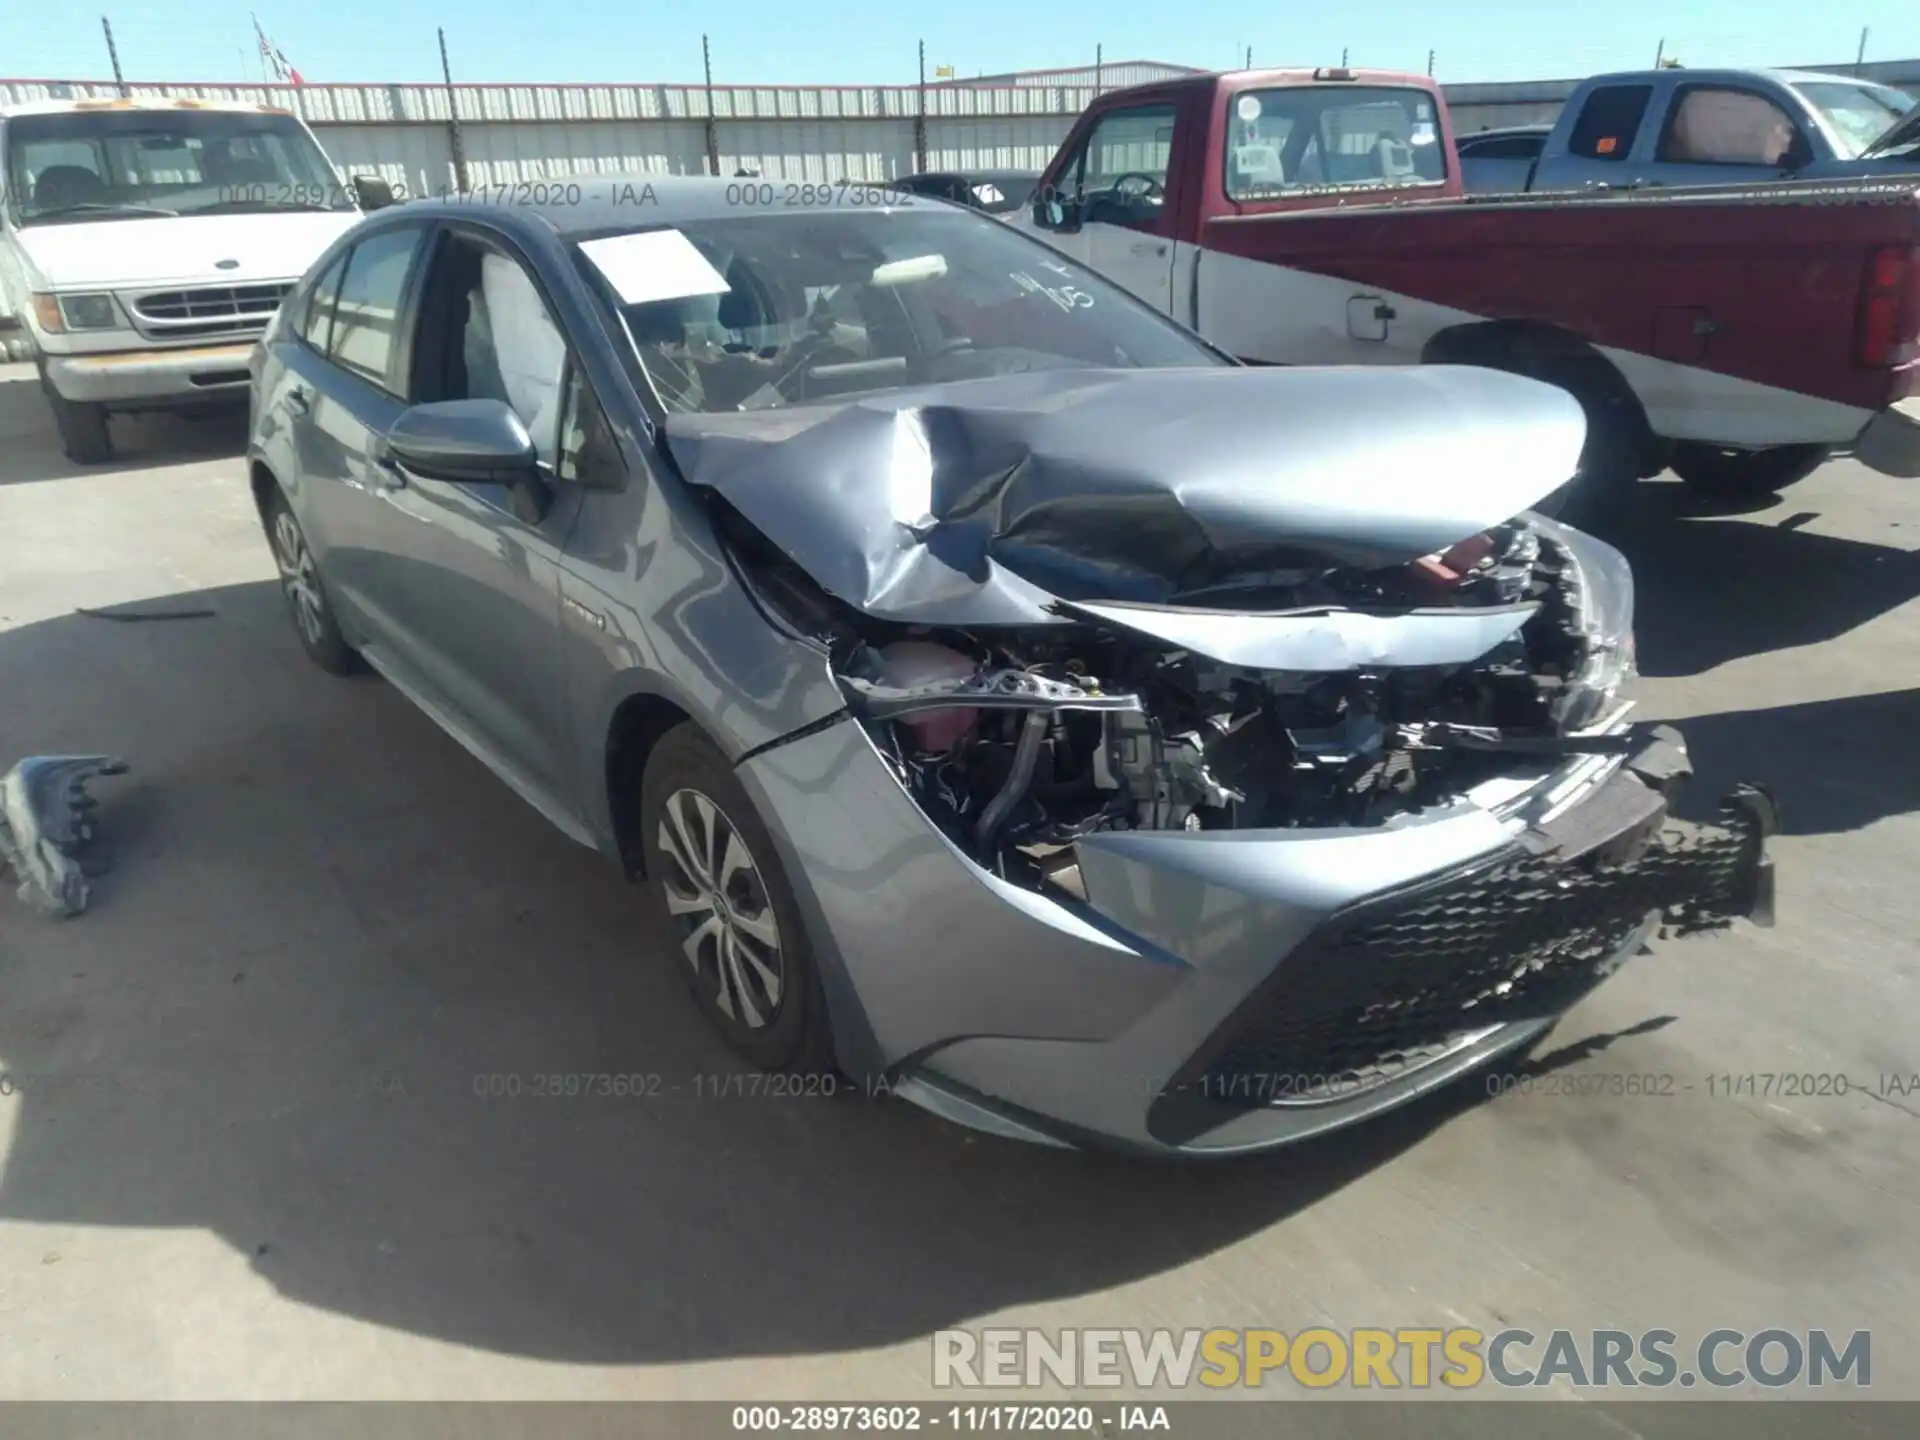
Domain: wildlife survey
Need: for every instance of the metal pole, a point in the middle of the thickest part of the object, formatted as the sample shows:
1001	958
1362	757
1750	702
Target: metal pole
1860	58
1249	64
113	54
1099	57
1660	55
1343	57
713	132
1429	64
453	119
920	120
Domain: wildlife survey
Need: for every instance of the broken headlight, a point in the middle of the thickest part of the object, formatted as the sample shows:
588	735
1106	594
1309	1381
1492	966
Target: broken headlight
1601	599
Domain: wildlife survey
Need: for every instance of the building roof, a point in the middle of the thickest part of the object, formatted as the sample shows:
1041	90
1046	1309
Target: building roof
1108	72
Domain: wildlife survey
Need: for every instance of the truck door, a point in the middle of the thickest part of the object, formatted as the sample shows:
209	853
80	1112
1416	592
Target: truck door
1602	142
1116	188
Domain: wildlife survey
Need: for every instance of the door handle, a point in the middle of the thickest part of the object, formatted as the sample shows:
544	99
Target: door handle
1148	247
298	403
387	473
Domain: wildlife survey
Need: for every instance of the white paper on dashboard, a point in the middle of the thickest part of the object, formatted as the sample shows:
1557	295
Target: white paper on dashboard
653	265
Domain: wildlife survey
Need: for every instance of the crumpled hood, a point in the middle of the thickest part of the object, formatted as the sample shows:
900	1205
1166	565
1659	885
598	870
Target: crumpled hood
984	501
117	254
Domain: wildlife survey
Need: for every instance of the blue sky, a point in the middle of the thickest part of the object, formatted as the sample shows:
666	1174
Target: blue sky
873	41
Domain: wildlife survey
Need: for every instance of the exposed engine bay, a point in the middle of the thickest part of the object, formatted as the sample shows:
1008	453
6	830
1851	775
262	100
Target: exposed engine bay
1017	741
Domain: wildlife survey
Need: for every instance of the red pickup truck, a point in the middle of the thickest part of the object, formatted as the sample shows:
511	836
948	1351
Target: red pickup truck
1739	334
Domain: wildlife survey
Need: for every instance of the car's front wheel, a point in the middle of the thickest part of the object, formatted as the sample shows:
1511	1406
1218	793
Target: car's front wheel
739	942
306	595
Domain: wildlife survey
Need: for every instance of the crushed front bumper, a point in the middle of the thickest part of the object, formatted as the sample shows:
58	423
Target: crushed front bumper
1230	991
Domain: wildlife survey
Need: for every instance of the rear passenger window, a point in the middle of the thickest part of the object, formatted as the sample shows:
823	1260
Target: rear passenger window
366	315
316	324
1609	121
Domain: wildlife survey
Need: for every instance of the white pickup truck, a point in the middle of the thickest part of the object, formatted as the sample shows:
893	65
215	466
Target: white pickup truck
144	245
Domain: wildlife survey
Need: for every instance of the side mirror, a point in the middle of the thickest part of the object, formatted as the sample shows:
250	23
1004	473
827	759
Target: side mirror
1051	213
1799	153
473	442
372	192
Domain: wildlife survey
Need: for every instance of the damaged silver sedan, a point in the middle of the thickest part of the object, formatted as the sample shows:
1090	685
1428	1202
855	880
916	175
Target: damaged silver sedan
1009	700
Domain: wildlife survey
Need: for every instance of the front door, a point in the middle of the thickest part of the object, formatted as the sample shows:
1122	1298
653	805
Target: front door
467	570
1724	135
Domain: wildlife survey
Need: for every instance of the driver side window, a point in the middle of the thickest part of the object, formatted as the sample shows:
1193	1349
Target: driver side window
485	334
1123	170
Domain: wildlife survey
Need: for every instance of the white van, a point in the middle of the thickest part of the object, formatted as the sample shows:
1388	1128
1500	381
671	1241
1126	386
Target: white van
144	245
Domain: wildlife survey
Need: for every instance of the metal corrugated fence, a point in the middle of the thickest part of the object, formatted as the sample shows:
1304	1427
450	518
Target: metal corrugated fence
789	132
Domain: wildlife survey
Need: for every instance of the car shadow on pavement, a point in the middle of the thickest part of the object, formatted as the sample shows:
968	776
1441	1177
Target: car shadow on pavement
1834	765
139	441
1710	589
312	1004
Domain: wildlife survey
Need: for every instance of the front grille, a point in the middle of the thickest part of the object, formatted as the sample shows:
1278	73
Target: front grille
1403	980
211	310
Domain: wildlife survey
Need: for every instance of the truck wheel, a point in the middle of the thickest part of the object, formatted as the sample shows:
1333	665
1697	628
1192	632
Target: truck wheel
1720	470
1609	463
1614	456
82	425
739	942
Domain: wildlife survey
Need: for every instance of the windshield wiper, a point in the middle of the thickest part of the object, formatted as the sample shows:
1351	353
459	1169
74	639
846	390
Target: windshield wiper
98	207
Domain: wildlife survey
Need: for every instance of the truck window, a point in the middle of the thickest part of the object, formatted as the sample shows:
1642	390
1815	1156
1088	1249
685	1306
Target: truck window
1858	115
1120	175
1609	121
164	161
1714	126
1284	141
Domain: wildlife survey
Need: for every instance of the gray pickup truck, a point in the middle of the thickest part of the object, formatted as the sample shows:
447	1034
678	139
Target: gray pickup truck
1702	127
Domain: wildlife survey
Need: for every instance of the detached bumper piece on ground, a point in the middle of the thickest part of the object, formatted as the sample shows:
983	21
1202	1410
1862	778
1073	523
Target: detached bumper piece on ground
46	828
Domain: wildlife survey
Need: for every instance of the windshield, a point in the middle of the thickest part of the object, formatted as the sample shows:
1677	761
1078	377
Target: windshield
789	308
1857	115
1286	142
89	164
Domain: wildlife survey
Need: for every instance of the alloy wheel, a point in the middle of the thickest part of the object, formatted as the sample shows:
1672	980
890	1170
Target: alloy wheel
298	577
719	901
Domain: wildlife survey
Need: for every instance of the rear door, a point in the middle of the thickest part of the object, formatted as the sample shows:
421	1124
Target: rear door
343	396
1603	141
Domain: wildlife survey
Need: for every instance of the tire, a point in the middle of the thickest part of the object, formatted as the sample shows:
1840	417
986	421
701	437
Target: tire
307	602
746	961
1717	470
1611	459
82	425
